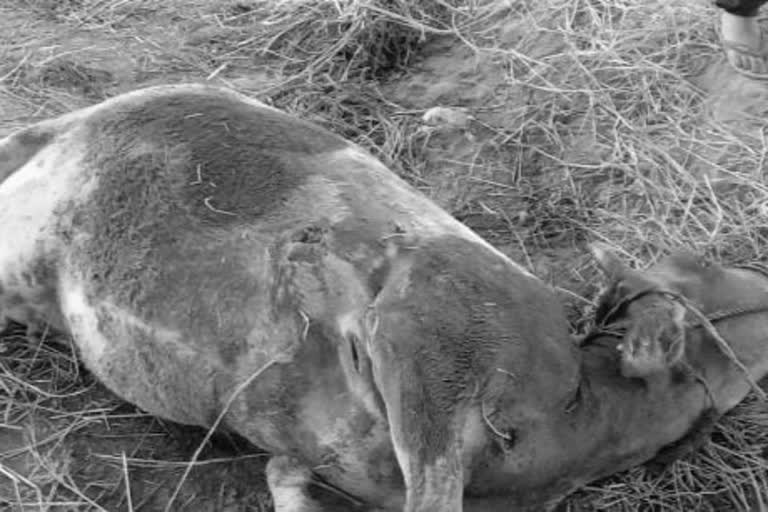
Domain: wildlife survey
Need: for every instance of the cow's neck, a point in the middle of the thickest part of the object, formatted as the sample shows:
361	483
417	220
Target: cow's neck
623	422
651	417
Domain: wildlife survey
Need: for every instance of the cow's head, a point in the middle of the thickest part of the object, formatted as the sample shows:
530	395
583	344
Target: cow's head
688	313
634	401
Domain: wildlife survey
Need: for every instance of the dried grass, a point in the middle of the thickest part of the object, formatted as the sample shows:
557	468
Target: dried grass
598	134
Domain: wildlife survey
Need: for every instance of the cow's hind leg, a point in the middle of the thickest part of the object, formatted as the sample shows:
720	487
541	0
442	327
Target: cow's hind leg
288	481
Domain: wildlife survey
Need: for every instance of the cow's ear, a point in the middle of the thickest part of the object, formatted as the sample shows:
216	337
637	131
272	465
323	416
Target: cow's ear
607	261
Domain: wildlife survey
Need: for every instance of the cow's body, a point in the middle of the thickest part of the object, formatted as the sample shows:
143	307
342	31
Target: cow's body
207	252
186	237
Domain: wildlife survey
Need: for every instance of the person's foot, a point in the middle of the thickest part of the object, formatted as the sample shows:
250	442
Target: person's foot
744	45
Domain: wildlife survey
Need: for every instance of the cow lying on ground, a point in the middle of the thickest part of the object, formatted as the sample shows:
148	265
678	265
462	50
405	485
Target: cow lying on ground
216	259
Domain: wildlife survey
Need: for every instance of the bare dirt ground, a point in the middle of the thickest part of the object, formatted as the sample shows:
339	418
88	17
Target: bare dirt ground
576	121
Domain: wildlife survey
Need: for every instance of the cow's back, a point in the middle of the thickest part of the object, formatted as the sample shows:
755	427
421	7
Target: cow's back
167	259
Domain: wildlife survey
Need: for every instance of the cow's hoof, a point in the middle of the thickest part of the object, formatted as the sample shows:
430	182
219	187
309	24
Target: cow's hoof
288	480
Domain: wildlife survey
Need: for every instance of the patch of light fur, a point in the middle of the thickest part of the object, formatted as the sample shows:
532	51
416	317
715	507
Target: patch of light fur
473	437
54	174
82	320
427	216
159	334
348	324
317	198
29	199
290	499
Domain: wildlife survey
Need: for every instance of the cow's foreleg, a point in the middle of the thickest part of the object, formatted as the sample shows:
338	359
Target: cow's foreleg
426	440
288	480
